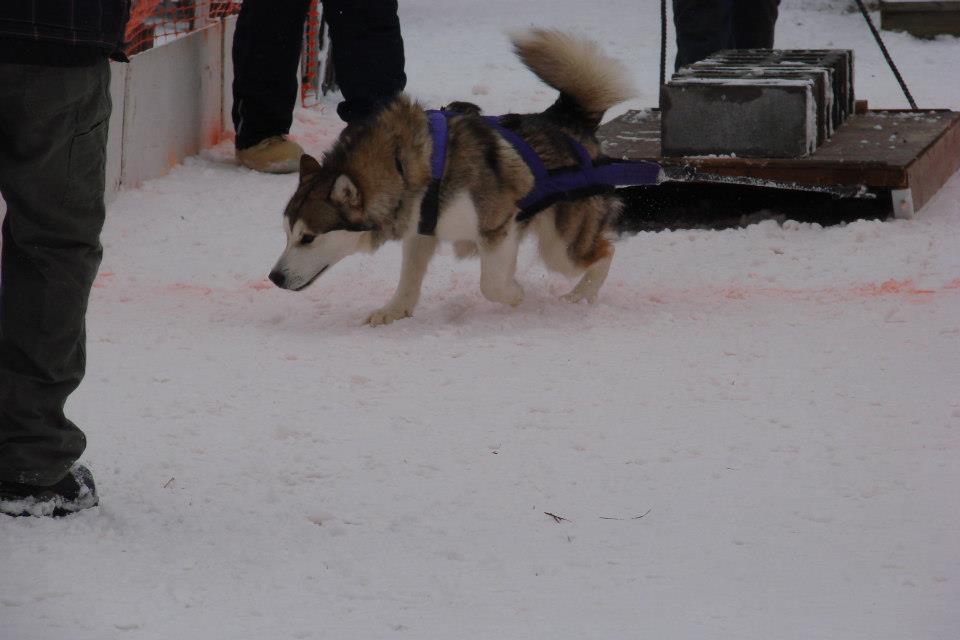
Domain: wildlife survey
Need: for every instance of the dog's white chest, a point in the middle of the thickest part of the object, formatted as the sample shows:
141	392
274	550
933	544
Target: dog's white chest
458	220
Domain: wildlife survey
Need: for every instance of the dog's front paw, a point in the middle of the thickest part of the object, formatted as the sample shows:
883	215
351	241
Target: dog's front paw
577	297
388	314
510	293
514	296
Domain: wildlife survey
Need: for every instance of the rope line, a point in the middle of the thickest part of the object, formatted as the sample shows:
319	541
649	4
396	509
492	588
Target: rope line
886	54
663	42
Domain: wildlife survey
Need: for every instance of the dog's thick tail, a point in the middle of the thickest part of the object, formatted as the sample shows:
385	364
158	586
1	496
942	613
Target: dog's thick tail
589	82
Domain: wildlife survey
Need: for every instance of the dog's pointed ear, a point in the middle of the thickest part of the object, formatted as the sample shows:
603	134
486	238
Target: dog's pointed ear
309	167
345	192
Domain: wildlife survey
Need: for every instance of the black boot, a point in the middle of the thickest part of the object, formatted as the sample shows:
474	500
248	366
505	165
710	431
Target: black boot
75	492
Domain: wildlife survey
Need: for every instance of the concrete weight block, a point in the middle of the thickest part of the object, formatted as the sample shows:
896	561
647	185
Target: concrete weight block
752	117
821	77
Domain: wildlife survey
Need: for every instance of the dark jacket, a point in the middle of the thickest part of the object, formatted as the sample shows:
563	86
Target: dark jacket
62	32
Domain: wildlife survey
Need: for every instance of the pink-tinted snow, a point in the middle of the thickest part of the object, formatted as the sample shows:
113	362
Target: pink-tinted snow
778	402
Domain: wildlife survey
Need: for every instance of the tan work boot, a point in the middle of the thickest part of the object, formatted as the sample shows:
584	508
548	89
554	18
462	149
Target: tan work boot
275	154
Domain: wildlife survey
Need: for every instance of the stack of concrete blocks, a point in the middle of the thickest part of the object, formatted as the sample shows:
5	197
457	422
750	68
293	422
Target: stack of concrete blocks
757	103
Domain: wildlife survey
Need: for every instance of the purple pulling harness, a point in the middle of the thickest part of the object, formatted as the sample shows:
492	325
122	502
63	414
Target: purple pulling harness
550	185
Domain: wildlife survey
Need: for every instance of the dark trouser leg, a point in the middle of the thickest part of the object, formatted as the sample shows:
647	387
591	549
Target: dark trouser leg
367	54
266	52
753	23
53	136
703	27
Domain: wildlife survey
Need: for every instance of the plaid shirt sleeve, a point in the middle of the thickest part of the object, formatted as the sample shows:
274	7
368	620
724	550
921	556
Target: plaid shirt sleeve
83	23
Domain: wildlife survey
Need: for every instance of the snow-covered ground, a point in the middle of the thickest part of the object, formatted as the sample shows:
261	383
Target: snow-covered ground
778	403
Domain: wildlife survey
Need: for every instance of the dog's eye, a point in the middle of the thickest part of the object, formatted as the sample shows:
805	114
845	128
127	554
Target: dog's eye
399	165
307	238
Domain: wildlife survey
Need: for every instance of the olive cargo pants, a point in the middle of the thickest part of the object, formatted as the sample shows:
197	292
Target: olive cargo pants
53	135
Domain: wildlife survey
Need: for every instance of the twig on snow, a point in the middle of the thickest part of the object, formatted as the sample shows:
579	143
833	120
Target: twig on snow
556	518
633	518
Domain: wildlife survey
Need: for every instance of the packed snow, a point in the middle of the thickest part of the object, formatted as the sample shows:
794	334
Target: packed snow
755	433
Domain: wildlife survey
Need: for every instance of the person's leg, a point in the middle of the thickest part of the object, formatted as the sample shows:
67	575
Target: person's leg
266	52
53	136
703	27
367	54
753	23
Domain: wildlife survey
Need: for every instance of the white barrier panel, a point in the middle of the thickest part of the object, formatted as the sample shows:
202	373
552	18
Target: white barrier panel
118	81
172	104
229	27
168	103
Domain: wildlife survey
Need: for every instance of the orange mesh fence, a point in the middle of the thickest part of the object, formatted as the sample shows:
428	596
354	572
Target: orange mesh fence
316	66
153	22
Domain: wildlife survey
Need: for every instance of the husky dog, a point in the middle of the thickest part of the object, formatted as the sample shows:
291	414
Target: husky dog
368	189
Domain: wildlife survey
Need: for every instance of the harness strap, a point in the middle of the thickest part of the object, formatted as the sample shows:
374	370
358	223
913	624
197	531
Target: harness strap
585	160
589	177
570	182
437	121
529	155
430	206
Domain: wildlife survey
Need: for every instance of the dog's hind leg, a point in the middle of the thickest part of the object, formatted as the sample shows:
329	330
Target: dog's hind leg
417	251
574	241
498	266
596	274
